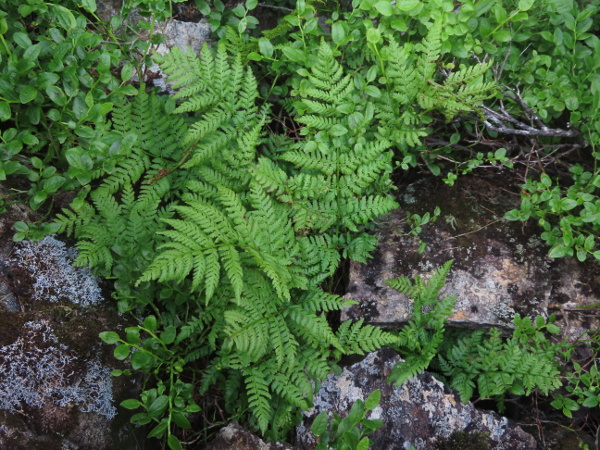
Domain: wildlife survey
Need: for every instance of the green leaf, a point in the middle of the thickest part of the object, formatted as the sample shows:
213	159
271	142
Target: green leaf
121	352
126	73
363	444
572	103
373	91
407	5
553	329
57	95
22	40
89	5
180	420
140	359
131	403
5	111
338	130
251	4
21	226
27	94
502	36
384	7
109	337
159	430
566	204
173	443
150	323
525	5
373	400
293	54
168	335
158	406
373	36
265	47
558	251
65	17
338	32
319	425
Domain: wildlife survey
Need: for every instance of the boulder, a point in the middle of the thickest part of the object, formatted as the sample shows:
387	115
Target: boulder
422	412
56	389
234	437
500	267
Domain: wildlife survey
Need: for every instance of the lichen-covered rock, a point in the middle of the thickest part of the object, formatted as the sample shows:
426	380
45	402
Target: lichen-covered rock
500	268
56	389
234	437
422	412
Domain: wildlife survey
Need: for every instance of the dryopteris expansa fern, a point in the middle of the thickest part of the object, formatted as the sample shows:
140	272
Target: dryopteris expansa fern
419	339
340	182
240	248
414	90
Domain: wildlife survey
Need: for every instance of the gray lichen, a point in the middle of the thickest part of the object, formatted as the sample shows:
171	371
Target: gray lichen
49	263
36	370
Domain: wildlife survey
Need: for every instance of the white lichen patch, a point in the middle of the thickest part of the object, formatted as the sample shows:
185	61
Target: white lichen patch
36	370
49	263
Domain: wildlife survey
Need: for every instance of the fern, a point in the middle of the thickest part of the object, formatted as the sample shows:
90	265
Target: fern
418	341
494	366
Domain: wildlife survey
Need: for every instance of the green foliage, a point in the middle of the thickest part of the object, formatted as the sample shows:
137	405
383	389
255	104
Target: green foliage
347	433
418	341
571	218
56	87
493	366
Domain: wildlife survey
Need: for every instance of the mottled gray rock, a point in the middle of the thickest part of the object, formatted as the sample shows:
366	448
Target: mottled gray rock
501	267
234	437
421	412
188	36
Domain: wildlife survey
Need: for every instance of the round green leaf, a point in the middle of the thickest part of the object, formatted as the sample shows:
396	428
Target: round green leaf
407	5
338	130
150	323
131	403
265	47
109	337
121	352
385	7
5	112
319	425
27	94
140	360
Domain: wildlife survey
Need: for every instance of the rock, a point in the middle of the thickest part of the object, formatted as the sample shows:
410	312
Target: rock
500	268
422	412
56	389
185	35
234	437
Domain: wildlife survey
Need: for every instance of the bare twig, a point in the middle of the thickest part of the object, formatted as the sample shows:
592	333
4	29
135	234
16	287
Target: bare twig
502	122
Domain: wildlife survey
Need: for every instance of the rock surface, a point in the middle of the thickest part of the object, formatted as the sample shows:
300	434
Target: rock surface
422	412
234	437
500	268
56	390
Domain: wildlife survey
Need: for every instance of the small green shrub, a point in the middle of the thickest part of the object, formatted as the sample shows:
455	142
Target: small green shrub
347	433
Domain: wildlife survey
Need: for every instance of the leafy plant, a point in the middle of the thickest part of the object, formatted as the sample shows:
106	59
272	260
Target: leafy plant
418	341
347	433
494	366
56	87
570	219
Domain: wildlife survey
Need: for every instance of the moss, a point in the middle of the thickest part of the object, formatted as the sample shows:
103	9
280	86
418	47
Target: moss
461	440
